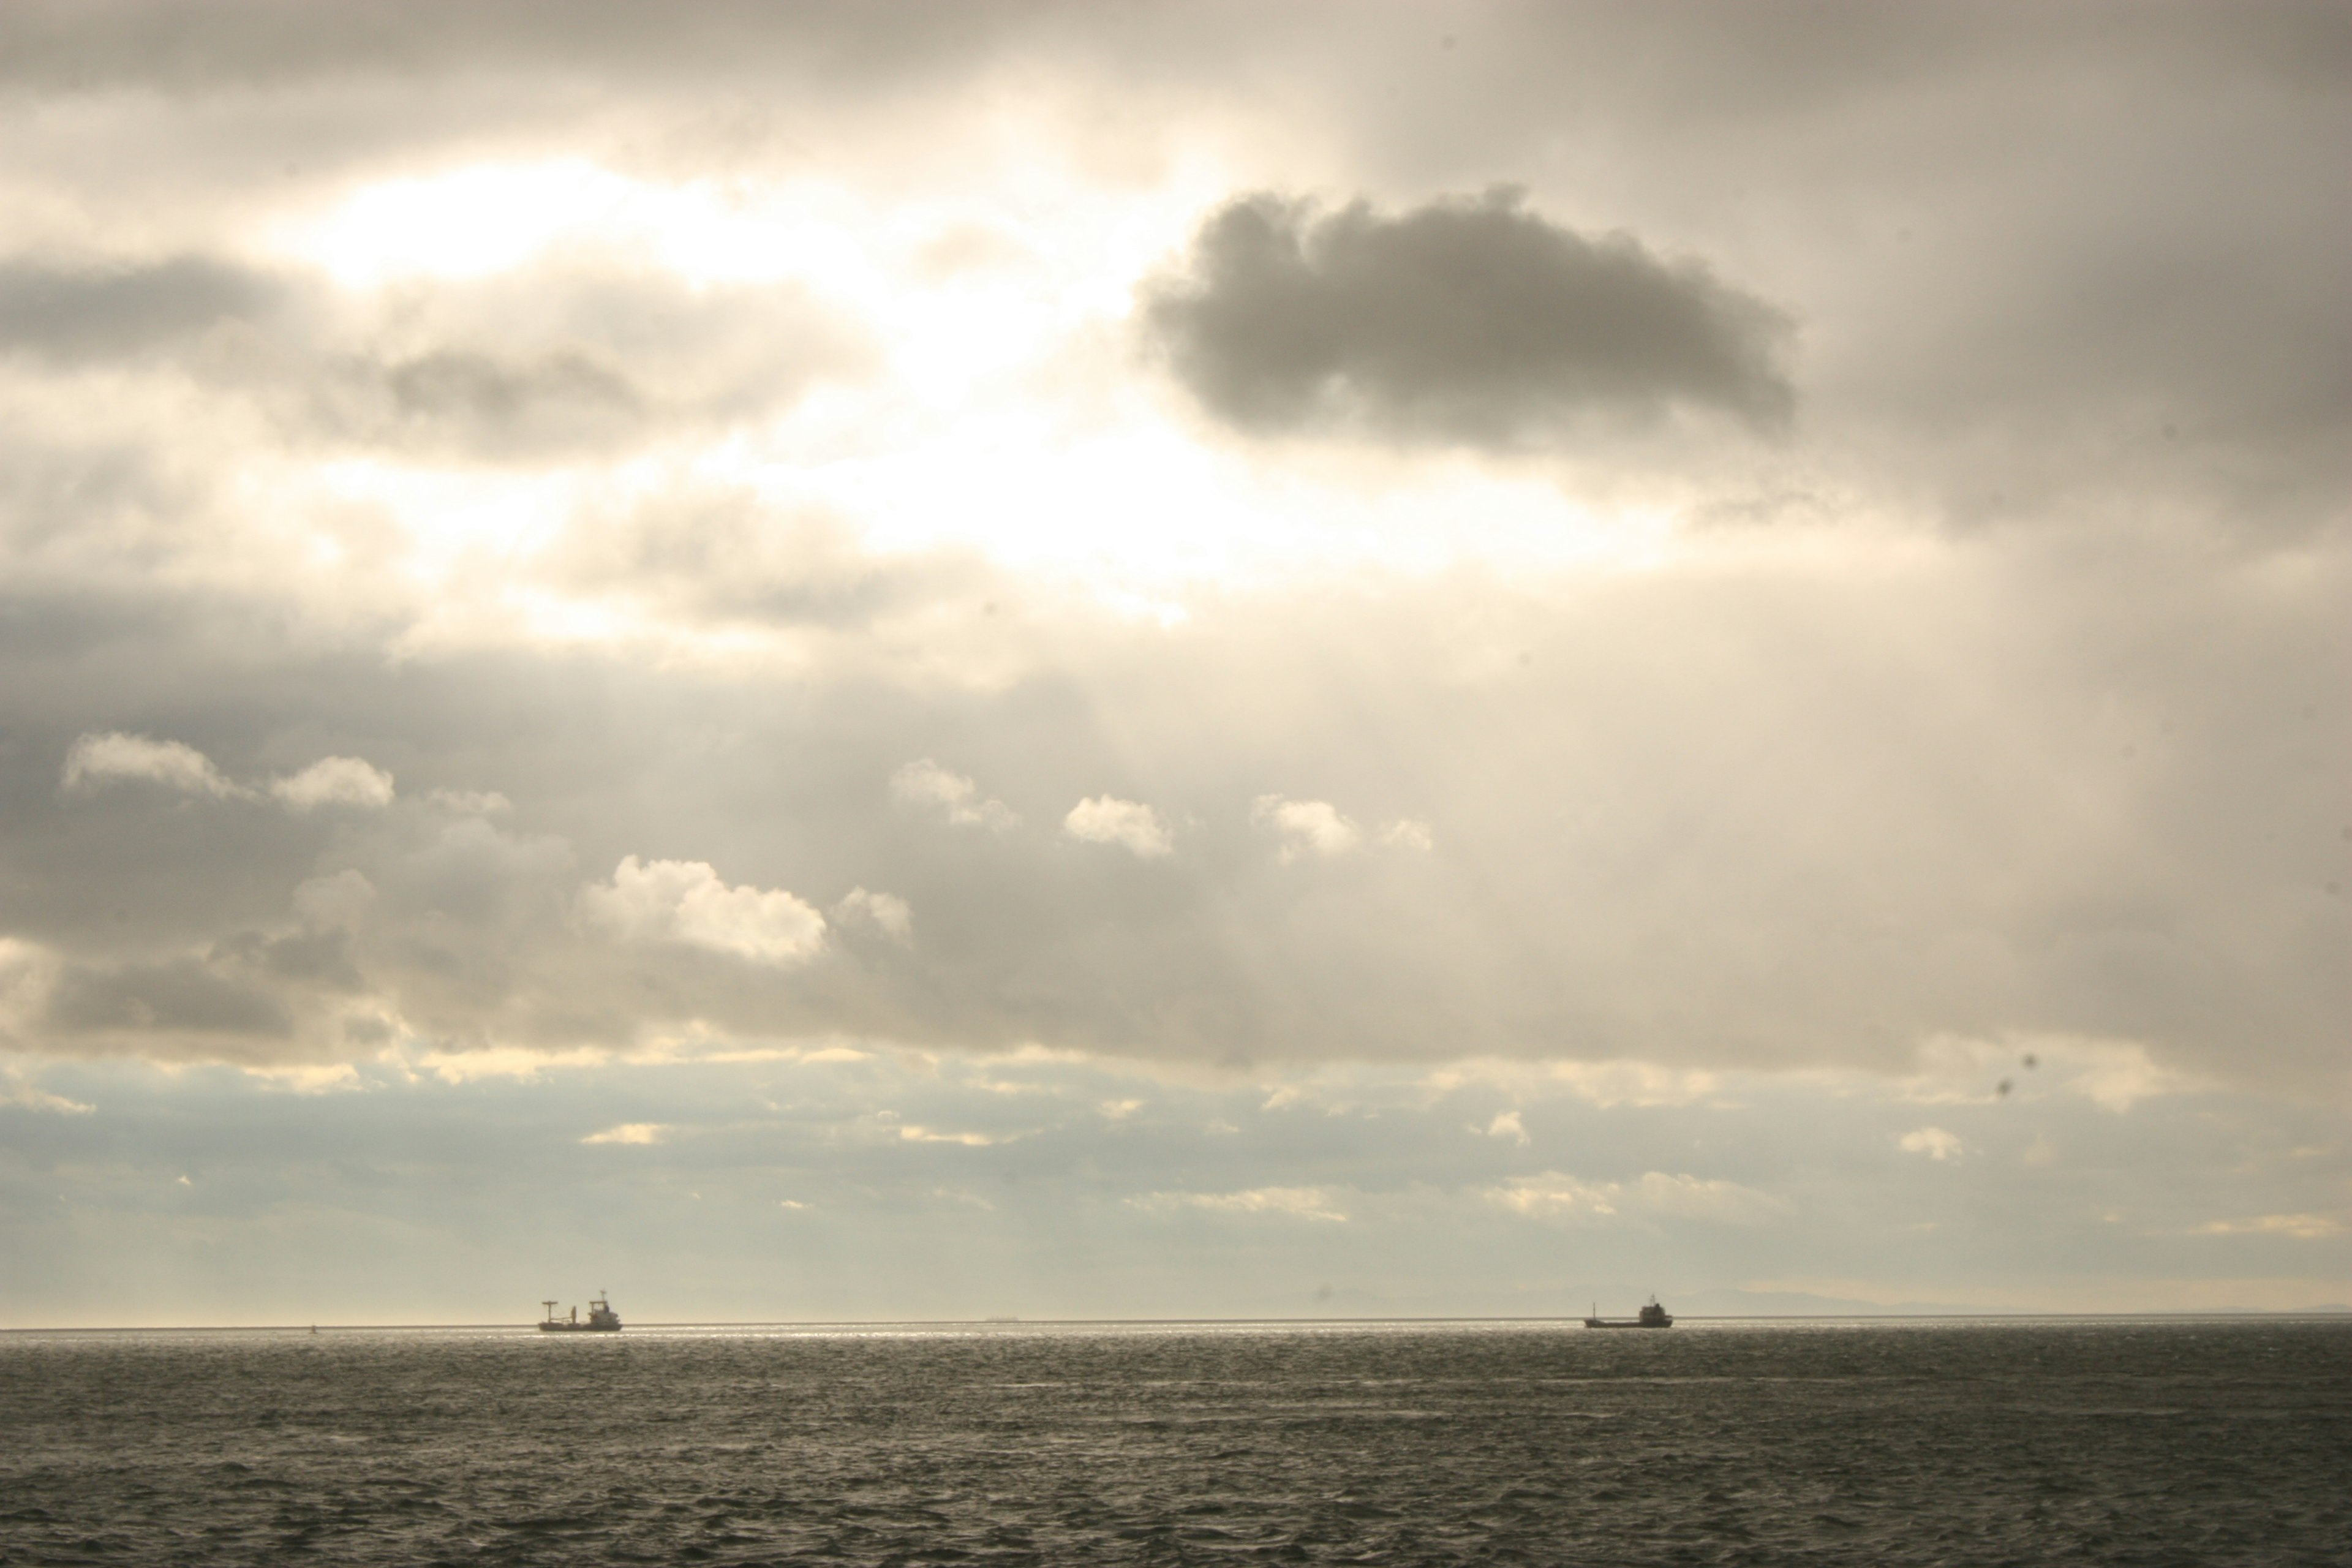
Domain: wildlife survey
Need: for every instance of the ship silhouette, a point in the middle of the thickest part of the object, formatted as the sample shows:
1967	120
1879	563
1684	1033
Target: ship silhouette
602	1319
1653	1316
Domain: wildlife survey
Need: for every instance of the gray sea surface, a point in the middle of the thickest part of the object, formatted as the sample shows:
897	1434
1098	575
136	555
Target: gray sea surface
2107	1442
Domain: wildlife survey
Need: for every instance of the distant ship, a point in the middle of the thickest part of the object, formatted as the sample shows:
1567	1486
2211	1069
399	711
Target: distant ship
601	1320
1653	1317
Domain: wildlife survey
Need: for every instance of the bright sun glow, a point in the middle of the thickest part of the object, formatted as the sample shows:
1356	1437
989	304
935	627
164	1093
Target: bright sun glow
1003	415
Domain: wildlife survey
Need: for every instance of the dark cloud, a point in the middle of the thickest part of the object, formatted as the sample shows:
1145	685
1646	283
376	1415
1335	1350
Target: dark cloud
476	388
725	556
108	310
180	998
483	405
505	370
1470	320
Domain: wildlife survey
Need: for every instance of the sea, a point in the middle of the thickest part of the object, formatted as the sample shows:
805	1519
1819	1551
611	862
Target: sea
2111	1442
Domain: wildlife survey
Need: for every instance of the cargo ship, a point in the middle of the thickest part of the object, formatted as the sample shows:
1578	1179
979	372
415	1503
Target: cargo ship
602	1319
1653	1316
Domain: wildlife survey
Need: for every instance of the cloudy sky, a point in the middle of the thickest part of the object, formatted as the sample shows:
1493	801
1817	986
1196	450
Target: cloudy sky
929	660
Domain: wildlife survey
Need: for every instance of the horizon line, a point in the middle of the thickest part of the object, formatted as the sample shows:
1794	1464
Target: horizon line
2328	1310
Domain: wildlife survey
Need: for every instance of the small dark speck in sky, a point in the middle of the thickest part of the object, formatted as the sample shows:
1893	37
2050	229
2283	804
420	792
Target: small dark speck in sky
2002	1087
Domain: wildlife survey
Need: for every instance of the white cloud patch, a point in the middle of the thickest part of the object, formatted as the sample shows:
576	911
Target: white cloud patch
1306	826
1506	1125
470	802
506	1061
98	758
926	784
885	913
1655	1194
911	1133
24	1095
1406	833
2302	1227
2118	1074
1300	1203
1105	819
1613	1083
1932	1142
2113	1074
28	973
308	1078
683	902
335	781
631	1132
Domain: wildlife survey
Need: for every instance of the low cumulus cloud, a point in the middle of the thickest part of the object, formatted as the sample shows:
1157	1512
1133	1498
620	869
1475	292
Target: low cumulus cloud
1306	826
96	759
1318	828
1653	1194
1506	1125
335	781
1106	819
926	784
640	1133
1469	319
1675	843
685	903
885	913
1297	1202
1407	834
21	1093
1933	1141
2301	1226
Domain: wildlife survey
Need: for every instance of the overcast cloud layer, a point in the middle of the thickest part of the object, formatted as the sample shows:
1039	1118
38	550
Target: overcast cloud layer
1447	626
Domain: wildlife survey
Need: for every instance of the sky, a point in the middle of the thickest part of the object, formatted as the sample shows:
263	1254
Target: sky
933	661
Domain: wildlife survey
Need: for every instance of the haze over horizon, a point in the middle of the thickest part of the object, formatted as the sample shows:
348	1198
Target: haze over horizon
927	661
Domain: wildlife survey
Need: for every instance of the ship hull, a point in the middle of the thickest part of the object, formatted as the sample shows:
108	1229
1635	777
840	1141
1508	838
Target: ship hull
579	1328
1624	1323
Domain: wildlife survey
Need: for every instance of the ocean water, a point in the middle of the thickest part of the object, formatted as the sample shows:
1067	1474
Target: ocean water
1949	1443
